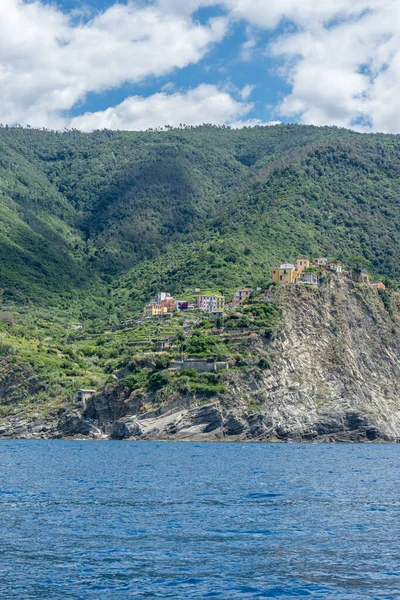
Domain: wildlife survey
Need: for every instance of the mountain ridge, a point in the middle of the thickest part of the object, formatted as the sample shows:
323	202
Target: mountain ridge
110	200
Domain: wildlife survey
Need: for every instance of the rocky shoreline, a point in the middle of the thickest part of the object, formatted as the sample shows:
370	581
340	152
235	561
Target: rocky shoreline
208	422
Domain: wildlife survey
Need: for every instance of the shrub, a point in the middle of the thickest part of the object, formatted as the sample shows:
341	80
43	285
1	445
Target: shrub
6	348
182	385
244	321
8	318
211	378
136	380
89	350
163	394
162	362
264	363
189	373
207	390
159	380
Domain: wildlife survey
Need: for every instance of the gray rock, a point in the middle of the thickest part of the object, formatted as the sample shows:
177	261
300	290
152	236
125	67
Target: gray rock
72	423
329	427
260	425
208	415
233	425
354	420
125	428
372	434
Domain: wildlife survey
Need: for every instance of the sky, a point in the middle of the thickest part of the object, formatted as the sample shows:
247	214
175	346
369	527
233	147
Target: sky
139	64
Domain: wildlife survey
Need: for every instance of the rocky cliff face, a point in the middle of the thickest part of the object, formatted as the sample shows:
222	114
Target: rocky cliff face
335	368
335	372
334	376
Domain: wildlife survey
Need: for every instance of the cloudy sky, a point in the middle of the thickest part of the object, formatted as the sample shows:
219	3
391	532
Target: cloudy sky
136	64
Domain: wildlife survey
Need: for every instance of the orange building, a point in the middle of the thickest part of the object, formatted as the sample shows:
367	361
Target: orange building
289	273
241	295
301	264
169	304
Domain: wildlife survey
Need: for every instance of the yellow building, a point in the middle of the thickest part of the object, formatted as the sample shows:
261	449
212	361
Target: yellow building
155	310
285	273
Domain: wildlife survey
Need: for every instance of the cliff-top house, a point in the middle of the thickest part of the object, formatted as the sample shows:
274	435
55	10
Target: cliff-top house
288	272
285	273
335	266
378	286
320	261
82	396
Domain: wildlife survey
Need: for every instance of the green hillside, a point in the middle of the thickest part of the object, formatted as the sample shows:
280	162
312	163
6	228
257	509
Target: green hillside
93	225
205	206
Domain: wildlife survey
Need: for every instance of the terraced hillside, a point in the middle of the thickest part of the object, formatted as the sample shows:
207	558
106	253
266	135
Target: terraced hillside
93	225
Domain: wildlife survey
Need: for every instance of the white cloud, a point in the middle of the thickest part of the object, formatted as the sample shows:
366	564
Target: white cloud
347	74
269	13
341	60
248	47
246	92
48	63
204	104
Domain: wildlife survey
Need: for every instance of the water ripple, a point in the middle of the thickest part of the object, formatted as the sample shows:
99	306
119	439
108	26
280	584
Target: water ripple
86	521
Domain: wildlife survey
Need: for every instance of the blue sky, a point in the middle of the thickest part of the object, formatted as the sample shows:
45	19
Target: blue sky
148	63
222	66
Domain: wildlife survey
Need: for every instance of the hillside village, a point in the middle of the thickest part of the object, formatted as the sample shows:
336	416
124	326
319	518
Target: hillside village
196	337
241	320
202	345
303	271
201	356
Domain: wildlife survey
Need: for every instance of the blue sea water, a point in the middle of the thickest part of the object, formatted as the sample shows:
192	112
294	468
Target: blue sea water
94	520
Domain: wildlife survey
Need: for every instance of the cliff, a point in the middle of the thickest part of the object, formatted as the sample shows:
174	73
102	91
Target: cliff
330	373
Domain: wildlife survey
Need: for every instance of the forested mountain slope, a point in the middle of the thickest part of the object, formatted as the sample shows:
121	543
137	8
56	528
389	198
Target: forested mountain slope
191	205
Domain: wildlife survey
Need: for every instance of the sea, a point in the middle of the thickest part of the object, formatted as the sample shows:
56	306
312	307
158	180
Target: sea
120	520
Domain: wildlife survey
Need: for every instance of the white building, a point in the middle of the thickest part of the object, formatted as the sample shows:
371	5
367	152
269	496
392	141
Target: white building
309	278
335	266
211	304
161	296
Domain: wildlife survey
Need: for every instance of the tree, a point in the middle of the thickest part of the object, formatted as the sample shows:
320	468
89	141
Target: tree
8	318
357	263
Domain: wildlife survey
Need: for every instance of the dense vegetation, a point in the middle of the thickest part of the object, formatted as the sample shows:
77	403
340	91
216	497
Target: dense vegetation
200	206
92	225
